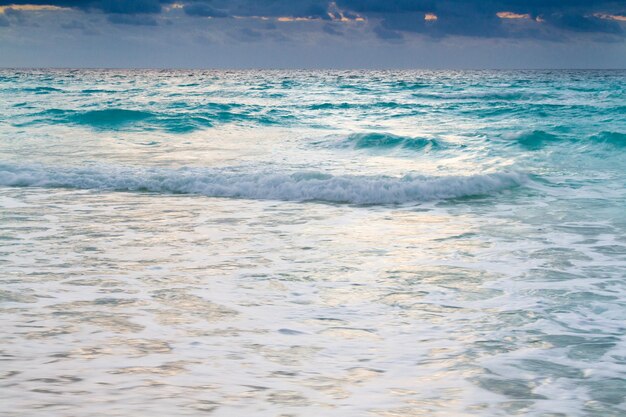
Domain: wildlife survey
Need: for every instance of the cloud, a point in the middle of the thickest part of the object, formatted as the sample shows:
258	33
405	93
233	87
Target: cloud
88	29
29	7
106	6
12	15
618	18
203	9
73	25
134	20
546	19
511	15
331	30
129	6
248	35
388	35
386	19
578	23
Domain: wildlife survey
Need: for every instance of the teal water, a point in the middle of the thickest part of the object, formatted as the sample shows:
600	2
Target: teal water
349	243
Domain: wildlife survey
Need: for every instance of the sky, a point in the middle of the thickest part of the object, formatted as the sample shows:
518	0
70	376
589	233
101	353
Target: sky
313	33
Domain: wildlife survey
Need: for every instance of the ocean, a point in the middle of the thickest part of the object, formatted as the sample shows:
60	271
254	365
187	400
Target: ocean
312	243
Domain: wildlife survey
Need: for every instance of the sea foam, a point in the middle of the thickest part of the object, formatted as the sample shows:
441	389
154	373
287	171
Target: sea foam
264	185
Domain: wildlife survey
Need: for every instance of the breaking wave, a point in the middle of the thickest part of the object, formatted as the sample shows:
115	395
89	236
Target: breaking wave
387	140
297	186
382	141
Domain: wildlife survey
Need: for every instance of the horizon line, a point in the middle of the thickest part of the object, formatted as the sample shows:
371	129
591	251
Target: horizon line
307	69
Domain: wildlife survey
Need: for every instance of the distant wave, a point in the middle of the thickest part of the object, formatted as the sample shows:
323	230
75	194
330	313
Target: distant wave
42	90
538	139
98	91
391	105
408	85
376	140
298	186
478	96
616	139
175	120
109	117
387	140
535	139
113	118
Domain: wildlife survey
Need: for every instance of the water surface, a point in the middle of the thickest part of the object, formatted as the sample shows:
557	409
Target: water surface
311	243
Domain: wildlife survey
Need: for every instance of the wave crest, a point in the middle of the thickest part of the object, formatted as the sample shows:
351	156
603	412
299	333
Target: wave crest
298	186
177	119
615	139
536	139
386	140
383	141
110	117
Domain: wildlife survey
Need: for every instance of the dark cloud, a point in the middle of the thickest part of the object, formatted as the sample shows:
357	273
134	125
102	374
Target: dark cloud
580	23
106	6
543	18
317	9
480	25
12	16
203	9
390	19
14	13
385	7
129	7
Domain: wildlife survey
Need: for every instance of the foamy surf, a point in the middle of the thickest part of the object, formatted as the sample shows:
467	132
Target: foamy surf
290	186
512	303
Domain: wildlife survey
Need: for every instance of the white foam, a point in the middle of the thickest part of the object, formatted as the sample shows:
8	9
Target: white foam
294	186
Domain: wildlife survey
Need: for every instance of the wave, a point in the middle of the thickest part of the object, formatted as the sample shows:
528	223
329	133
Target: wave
616	139
101	119
536	139
388	105
331	106
387	140
296	186
42	90
382	141
109	117
98	91
477	96
408	85
173	121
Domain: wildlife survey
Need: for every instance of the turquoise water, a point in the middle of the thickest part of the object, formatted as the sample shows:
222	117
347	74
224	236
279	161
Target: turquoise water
307	243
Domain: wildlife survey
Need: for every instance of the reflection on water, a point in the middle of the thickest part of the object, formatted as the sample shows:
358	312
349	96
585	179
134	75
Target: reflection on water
141	304
130	287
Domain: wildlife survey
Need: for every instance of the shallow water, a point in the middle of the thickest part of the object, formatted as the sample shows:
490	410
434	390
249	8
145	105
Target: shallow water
312	243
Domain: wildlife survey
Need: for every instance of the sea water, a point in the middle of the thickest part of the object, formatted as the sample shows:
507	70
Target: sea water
312	243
